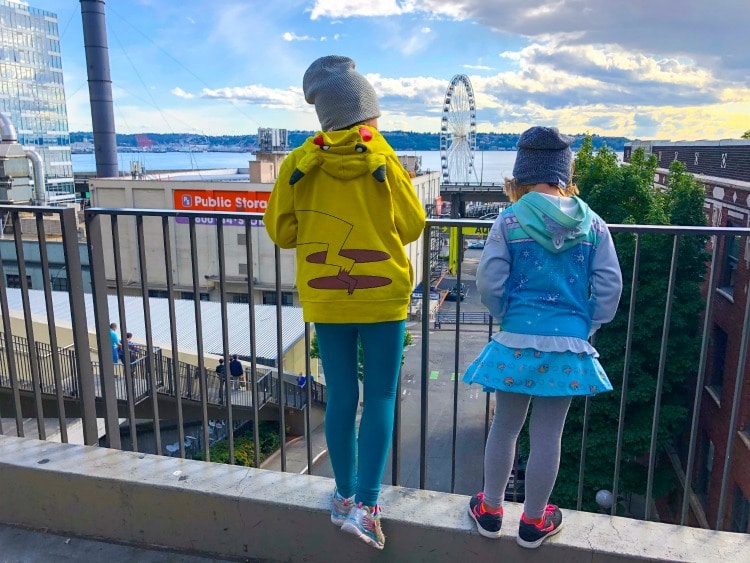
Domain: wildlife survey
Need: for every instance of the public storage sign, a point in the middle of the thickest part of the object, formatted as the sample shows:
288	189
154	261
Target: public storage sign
221	200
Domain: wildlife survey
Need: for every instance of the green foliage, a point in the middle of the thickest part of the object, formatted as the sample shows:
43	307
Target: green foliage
625	194
244	448
315	352
746	135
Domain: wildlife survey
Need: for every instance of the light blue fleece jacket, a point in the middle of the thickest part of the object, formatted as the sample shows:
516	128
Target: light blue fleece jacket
549	268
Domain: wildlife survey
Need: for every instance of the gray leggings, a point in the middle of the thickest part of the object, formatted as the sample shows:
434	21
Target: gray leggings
545	433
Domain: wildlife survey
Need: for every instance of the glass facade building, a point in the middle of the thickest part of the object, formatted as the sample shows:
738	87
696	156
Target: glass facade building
32	91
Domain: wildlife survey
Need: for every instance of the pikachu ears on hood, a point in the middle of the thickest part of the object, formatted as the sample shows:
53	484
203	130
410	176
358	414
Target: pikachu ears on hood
352	144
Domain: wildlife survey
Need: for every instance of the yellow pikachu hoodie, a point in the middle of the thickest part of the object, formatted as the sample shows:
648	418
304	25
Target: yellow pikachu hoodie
348	206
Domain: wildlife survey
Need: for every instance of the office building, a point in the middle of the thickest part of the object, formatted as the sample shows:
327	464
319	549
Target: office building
33	95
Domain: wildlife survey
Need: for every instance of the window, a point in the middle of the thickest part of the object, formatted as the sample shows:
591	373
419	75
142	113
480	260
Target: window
241	239
242	269
163	293
59	283
14	280
719	361
287	298
730	257
740	512
190	296
240	298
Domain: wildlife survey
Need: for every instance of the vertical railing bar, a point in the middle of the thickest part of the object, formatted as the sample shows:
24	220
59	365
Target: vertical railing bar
424	382
660	377
396	435
10	351
128	367
29	324
173	332
52	329
584	444
712	279
225	334
487	395
280	356
95	244
253	349
151	362
199	339
736	399
626	371
456	358
308	389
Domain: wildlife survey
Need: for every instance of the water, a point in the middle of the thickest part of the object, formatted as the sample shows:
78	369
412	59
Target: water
491	166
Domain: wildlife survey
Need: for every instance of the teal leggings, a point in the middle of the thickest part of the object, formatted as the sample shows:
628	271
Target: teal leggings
382	345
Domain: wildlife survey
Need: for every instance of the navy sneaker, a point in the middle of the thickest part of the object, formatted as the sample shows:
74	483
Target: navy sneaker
532	535
488	523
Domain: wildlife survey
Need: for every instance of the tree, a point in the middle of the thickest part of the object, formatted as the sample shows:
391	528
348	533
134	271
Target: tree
746	135
626	194
315	352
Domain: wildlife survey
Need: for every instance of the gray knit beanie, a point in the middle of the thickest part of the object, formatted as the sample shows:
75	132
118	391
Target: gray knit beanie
342	96
544	157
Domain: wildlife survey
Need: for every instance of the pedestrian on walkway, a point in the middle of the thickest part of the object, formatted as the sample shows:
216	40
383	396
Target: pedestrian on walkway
550	276
348	206
115	341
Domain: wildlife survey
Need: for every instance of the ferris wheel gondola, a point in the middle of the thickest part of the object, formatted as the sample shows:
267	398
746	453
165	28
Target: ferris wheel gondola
458	131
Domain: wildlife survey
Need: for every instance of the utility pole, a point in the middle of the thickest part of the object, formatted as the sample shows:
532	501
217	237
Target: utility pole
100	87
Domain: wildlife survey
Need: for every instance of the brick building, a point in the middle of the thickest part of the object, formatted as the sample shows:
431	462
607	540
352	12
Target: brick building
724	169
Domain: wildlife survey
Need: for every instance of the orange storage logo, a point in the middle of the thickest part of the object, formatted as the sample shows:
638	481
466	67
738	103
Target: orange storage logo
221	200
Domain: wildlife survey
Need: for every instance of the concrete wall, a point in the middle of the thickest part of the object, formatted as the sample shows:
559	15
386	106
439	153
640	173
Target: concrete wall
242	513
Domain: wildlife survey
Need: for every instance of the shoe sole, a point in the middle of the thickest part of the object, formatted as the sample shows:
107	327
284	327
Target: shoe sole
540	541
482	531
354	530
338	520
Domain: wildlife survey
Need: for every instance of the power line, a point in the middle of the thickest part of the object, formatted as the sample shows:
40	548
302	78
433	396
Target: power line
187	69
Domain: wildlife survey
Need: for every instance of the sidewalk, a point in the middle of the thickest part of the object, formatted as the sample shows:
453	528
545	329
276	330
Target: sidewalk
296	453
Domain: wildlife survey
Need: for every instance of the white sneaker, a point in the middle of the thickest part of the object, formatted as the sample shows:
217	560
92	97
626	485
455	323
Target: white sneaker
364	523
340	508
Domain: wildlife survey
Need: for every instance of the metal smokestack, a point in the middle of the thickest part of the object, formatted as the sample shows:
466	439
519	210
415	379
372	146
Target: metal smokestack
100	87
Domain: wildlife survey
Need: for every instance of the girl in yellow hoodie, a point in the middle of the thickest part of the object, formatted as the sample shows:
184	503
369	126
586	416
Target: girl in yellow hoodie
348	207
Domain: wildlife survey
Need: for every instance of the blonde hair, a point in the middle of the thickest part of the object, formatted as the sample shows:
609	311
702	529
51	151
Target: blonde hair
516	191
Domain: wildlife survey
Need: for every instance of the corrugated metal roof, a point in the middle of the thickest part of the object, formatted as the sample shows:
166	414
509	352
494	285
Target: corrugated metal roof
238	321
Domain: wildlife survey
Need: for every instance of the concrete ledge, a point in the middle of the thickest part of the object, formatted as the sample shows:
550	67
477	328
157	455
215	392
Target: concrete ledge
234	512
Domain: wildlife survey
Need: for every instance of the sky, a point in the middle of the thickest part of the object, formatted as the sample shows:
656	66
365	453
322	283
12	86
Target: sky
648	69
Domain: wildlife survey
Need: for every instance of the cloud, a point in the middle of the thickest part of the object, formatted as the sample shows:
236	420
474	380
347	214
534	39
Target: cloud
479	67
180	93
294	37
290	98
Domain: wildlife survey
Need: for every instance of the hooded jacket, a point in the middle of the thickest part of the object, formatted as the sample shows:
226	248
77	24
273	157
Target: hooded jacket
348	207
549	268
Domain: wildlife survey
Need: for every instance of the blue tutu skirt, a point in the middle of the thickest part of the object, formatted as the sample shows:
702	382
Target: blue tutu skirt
531	372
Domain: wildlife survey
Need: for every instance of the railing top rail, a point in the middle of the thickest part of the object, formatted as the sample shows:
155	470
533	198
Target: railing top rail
172	213
615	227
33	209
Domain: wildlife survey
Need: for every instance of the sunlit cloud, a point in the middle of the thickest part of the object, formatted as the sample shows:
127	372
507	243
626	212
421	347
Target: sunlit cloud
180	93
288	36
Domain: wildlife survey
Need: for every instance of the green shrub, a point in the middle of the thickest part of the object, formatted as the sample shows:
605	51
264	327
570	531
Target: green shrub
244	448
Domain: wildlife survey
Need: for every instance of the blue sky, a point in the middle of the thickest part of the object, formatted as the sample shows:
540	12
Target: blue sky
663	69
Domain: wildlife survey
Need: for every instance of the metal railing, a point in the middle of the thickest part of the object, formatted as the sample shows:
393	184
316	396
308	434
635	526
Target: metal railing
152	374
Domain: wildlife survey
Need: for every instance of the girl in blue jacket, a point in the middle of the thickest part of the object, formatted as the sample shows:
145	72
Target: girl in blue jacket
550	276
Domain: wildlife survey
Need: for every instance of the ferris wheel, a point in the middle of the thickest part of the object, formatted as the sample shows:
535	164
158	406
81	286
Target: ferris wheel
458	132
